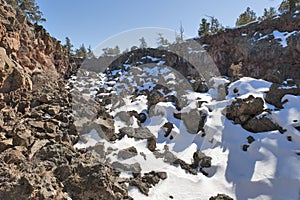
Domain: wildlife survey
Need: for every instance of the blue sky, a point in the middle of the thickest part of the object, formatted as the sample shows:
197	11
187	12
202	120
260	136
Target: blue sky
93	21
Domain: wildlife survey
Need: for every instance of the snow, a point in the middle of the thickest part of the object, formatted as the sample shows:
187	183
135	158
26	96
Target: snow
281	36
268	170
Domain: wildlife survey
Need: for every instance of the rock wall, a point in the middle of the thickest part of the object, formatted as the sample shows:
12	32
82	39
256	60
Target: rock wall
30	45
37	133
254	45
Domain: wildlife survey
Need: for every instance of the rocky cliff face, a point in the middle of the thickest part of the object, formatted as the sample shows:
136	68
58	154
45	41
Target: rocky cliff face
263	48
30	45
37	157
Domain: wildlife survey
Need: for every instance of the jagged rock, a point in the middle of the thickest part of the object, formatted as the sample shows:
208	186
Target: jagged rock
136	168
143	187
142	133
168	128
193	120
125	131
38	144
147	181
277	91
50	127
167	155
12	156
127	153
151	143
23	138
250	139
261	124
45	98
200	159
12	76
221	197
5	144
53	110
185	166
137	133
104	127
125	117
240	110
36	124
246	111
99	148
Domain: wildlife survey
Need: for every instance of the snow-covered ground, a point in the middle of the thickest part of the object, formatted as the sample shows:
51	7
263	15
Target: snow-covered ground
269	169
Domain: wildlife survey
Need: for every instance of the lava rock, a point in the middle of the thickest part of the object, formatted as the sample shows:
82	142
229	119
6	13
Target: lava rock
127	153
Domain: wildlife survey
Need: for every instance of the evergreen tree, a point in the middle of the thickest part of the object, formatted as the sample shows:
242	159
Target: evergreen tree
30	8
215	25
181	31
268	14
90	53
204	27
81	52
143	42
69	46
161	41
179	37
111	51
117	50
246	17
289	6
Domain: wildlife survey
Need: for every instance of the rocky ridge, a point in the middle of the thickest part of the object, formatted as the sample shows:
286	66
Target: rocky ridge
269	49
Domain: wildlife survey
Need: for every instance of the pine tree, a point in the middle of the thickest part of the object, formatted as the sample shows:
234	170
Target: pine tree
204	27
69	46
246	17
30	8
161	41
117	50
90	53
143	42
268	14
289	6
111	51
181	31
81	52
215	25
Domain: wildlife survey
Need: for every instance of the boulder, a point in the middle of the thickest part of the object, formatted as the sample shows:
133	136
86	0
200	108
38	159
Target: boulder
201	160
248	113
135	167
127	153
137	133
277	91
193	120
144	183
221	197
261	124
151	143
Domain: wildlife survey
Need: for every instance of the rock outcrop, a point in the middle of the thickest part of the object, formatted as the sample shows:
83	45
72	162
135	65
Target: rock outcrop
258	48
248	113
31	46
